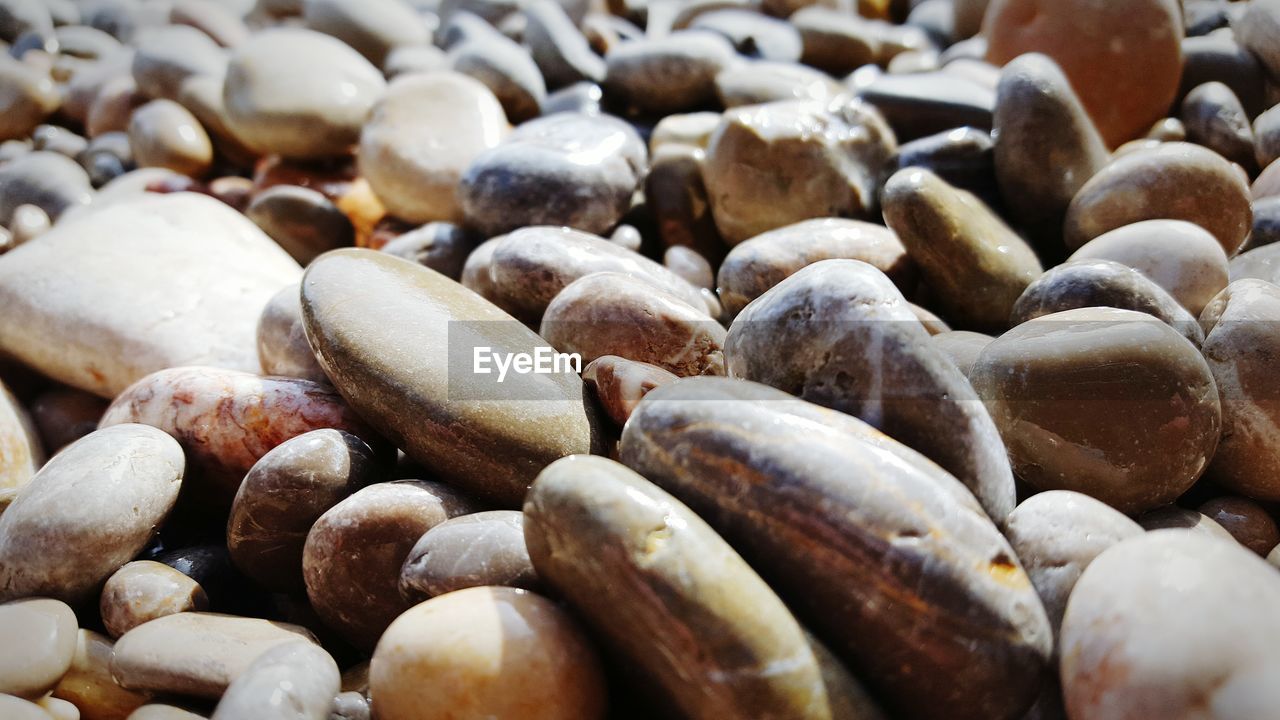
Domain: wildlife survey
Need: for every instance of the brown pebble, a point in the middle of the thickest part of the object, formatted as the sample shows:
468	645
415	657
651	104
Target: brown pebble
89	686
484	548
620	384
1247	521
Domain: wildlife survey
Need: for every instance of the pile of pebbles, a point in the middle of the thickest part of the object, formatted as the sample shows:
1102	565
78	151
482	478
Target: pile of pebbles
929	359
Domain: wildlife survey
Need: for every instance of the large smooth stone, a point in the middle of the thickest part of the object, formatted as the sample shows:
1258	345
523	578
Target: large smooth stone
144	590
1173	181
975	265
765	260
39	638
89	510
839	334
227	420
398	340
1111	403
420	137
197	654
182	282
88	683
486	652
292	681
672	596
20	452
1172	625
1240	346
1124	59
28	95
775	164
372	27
485	548
299	93
880	551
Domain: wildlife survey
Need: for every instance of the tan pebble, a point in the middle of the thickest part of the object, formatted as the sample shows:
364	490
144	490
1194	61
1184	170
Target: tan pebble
39	640
620	384
89	685
144	590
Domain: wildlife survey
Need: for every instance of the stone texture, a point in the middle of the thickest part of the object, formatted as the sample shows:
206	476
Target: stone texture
21	454
671	74
485	548
292	681
88	683
302	221
621	384
144	590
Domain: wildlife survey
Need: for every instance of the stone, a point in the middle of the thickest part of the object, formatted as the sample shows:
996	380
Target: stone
974	264
671	74
753	34
964	157
39	636
1267	184
737	453
765	260
441	246
360	305
506	69
183	282
283	495
620	384
582	97
220	22
158	711
840	335
1120	656
1240	339
671	595
1258	264
920	104
50	181
616	314
691	130
27	97
88	683
162	133
226	420
485	548
1258	29
1181	257
1124	61
1266	134
282	339
373	27
676	194
763	81
688	264
1103	283
1219	57
1247	521
1046	146
292	681
22	453
196	654
113	106
168	55
1215	119
1174	181
29	222
420	138
1110	403
489	652
18	709
775	164
22	16
269	111
1266	223
410	59
834	41
962	347
561	52
202	97
50	546
1178	518
357	593
565	169
144	590
301	220
228	590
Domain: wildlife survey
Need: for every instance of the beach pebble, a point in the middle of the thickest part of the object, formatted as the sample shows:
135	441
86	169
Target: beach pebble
302	221
671	74
88	683
168	55
48	180
144	590
506	69
1247	521
164	134
27	97
485	548
23	454
373	27
1215	119
620	384
559	49
282	339
39	637
441	246
292	681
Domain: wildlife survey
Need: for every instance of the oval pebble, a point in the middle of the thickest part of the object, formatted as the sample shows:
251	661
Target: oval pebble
485	548
144	590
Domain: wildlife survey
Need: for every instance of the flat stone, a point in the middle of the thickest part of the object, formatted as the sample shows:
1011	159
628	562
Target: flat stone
302	221
39	636
736	452
1247	521
22	453
197	654
1110	403
53	543
1175	181
292	681
485	548
144	590
162	133
360	306
809	335
373	27
486	652
920	104
88	683
27	97
620	384
420	138
170	54
182	282
50	181
670	74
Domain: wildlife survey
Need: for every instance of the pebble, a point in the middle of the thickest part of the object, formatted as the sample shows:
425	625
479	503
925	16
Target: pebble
671	74
964	157
1174	181
616	314
691	130
490	652
1103	283
164	134
302	221
202	97
88	684
1247	521
676	194
167	56
196	654
1266	134
1220	58
1266	223
1120	658
485	548
775	164
420	138
410	59
1258	30
561	52
733	450
19	709
283	495
1260	263
1123	59
113	106
182	282
29	222
372	27
689	265
22	16
962	347
22	453
50	181
292	681
219	21
358	304
50	546
59	140
1215	119
159	711
620	384
763	81
144	590
565	169
27	97
839	334
1239	344
974	264
583	98
506	69
440	246
39	637
656	581
920	104
271	112
1179	256
226	420
753	34
1110	403
1178	518
833	41
282	340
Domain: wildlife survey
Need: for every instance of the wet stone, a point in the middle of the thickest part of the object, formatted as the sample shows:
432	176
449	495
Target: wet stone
669	74
282	339
964	157
144	590
688	264
441	246
485	548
